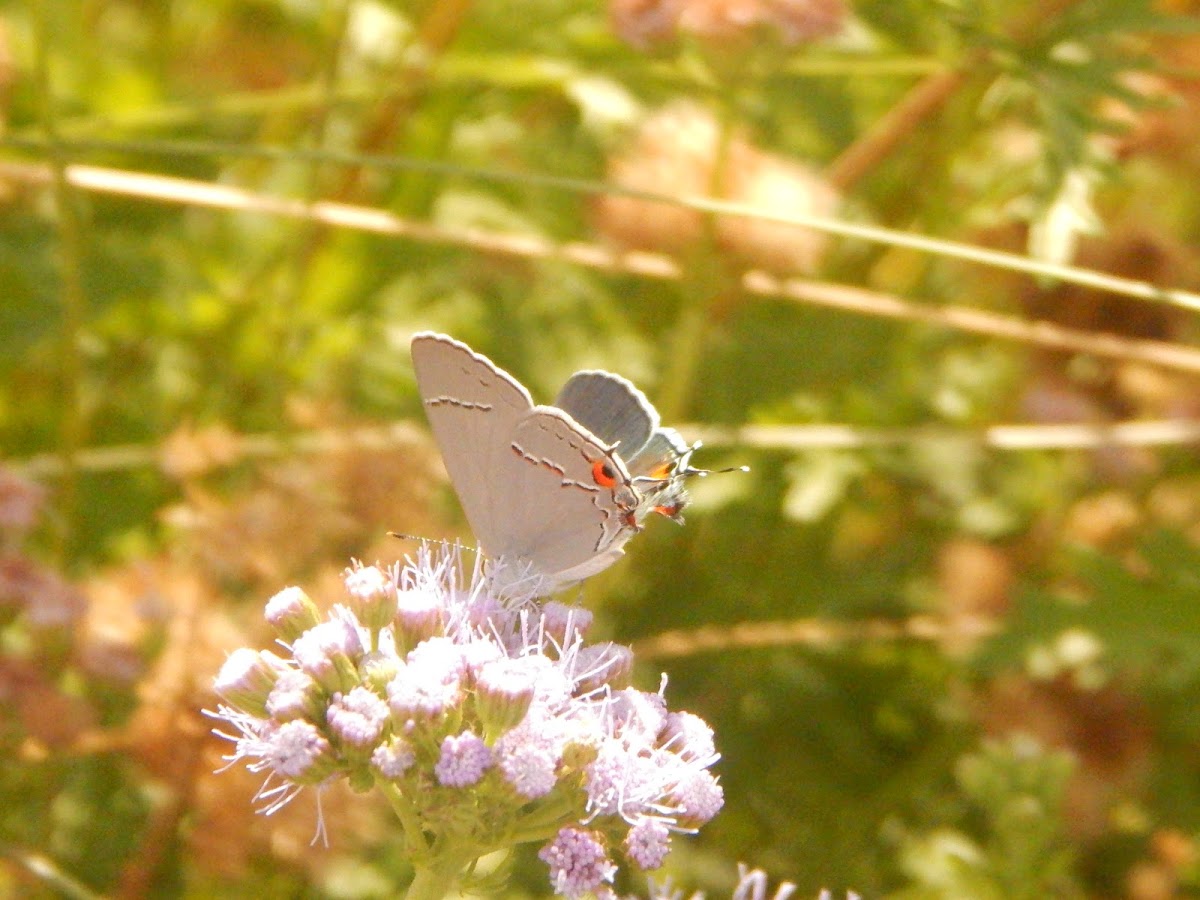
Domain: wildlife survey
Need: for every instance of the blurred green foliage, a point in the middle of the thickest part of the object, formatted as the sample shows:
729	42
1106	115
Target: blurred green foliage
1026	727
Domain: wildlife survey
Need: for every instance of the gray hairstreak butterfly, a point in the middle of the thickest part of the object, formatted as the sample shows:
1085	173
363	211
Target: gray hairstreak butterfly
557	489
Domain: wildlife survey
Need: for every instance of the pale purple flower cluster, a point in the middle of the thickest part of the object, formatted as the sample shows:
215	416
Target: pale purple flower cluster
578	862
485	720
463	761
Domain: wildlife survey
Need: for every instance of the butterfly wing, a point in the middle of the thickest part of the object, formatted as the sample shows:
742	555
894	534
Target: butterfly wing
658	471
611	408
473	407
576	502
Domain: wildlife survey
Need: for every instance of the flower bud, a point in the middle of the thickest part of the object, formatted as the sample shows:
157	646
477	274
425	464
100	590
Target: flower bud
423	692
358	718
697	797
563	624
328	652
393	757
418	617
246	679
372	597
647	843
688	736
528	757
295	696
291	612
376	669
503	694
463	760
608	664
578	862
298	752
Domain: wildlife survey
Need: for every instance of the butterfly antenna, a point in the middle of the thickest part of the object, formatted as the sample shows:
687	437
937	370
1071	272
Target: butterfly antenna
428	540
701	473
688	471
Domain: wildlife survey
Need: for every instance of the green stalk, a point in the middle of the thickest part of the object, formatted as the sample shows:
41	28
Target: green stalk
414	836
74	425
431	884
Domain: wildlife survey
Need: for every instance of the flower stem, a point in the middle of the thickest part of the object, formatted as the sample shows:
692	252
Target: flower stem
544	822
413	835
431	884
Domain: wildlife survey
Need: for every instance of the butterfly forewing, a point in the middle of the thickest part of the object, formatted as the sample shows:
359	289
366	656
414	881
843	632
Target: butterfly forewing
473	408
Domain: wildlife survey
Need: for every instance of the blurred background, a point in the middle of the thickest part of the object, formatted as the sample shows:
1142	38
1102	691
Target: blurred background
947	629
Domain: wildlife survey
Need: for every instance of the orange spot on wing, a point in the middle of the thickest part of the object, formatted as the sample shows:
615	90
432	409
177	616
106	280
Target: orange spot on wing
603	474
